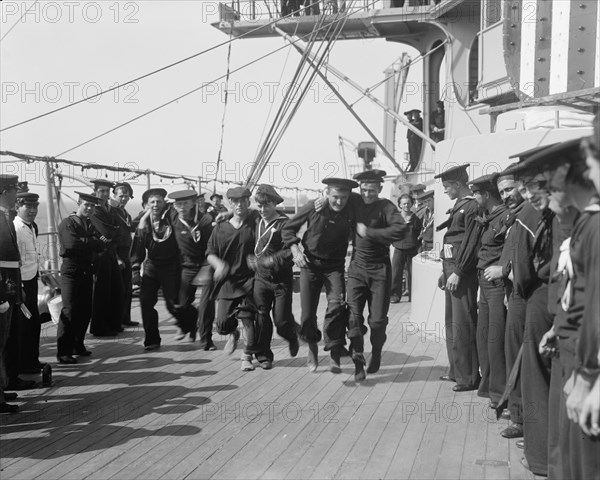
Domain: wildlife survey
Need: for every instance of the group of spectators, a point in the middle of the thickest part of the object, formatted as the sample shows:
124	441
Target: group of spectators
527	241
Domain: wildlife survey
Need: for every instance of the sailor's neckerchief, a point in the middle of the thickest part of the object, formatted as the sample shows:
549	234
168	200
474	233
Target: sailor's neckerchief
264	239
195	230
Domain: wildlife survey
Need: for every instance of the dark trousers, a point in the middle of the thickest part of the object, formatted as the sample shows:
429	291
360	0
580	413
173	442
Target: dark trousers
5	321
535	381
31	328
12	352
515	328
368	285
461	328
571	453
126	298
243	309
108	295
402	259
187	315
206	315
77	280
277	298
168	277
491	322
312	280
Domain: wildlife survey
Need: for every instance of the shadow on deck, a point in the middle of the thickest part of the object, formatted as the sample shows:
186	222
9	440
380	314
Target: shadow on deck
181	412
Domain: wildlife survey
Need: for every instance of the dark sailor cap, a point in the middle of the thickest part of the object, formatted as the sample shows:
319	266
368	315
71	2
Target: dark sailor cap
23	187
236	193
101	182
522	156
28	198
270	192
548	158
414	110
8	181
486	183
89	197
371	176
343	183
425	195
454	174
153	191
181	195
216	195
123	185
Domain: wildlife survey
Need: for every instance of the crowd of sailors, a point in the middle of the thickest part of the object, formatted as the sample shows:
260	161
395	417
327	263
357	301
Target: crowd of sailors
521	270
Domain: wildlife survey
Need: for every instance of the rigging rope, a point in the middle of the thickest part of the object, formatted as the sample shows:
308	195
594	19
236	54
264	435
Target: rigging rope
224	107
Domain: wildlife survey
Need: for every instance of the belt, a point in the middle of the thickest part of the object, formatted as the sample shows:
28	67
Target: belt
9	264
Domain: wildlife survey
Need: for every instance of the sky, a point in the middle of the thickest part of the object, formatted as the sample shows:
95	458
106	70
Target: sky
60	52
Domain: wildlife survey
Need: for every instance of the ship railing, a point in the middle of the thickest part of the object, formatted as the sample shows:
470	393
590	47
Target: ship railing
252	10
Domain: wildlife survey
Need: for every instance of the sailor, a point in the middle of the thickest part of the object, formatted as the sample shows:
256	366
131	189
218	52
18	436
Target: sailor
405	248
10	280
588	348
369	275
27	231
218	207
515	269
438	122
229	246
415	191
426	237
491	318
121	194
460	286
535	368
155	245
108	286
321	258
415	143
79	242
571	453
273	279
192	230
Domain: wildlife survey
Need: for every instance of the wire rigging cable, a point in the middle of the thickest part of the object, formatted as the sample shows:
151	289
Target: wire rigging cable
224	105
141	77
301	83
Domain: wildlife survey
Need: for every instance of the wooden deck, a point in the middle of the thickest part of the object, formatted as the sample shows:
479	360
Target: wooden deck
184	413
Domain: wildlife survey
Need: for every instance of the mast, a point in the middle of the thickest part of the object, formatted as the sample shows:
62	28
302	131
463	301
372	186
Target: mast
52	231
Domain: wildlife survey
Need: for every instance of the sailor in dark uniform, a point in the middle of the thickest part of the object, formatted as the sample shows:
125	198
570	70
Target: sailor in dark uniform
587	411
415	143
370	273
10	279
218	207
321	258
273	279
535	368
460	285
491	319
579	452
426	200
108	286
192	230
79	241
122	193
415	191
155	245
229	247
